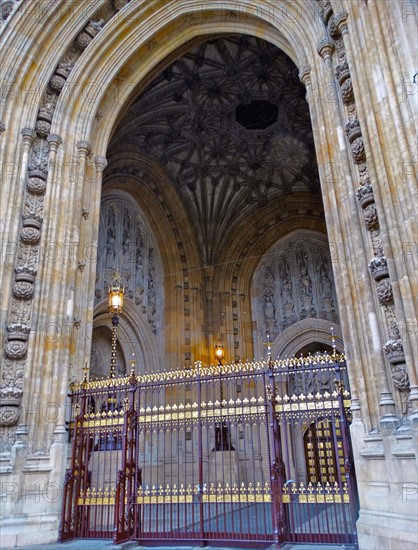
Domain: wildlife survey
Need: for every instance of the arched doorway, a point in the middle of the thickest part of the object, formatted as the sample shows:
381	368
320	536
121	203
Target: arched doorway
131	59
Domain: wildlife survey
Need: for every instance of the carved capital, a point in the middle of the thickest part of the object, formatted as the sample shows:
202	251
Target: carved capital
341	22
83	147
28	135
54	141
305	75
325	48
100	163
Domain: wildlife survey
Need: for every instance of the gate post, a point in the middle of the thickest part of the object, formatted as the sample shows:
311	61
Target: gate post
277	472
347	449
73	476
200	436
126	489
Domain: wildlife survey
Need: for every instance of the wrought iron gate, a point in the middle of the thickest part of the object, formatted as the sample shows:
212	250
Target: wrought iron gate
254	452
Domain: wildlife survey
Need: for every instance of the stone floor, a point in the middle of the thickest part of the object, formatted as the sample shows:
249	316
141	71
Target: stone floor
108	545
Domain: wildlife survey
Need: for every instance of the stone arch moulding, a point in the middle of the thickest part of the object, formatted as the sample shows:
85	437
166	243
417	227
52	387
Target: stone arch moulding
305	332
297	37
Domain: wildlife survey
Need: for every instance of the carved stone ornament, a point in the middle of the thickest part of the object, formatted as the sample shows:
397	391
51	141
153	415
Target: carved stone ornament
18	331
378	268
83	40
25	273
365	195
11	396
16	349
332	27
347	92
384	292
9	415
394	351
342	72
23	290
119	4
30	235
352	129
357	150
57	82
6	9
400	377
325	8
371	219
43	127
85	37
377	242
36	185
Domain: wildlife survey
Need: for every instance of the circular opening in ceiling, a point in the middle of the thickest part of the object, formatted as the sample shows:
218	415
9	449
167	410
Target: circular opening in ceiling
259	114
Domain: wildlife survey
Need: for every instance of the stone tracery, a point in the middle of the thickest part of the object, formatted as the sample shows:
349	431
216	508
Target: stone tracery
126	245
297	283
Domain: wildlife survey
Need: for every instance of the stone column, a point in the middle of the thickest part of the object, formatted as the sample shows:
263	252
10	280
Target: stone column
387	405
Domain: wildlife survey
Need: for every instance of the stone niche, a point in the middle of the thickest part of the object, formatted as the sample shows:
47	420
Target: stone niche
294	281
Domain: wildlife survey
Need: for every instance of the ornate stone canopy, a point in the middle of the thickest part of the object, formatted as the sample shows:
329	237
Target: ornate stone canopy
229	123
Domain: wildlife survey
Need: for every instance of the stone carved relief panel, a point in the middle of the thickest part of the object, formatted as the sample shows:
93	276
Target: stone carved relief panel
294	282
126	244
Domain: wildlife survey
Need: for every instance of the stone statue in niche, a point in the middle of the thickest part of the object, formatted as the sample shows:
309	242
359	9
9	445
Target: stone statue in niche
152	301
325	284
269	314
139	266
126	235
111	233
305	287
288	303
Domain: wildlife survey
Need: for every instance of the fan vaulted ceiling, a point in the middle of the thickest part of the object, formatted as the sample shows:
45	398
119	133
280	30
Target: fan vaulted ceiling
229	124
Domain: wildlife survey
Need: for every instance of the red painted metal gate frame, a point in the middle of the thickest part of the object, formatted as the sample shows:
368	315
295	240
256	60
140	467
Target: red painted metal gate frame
119	418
